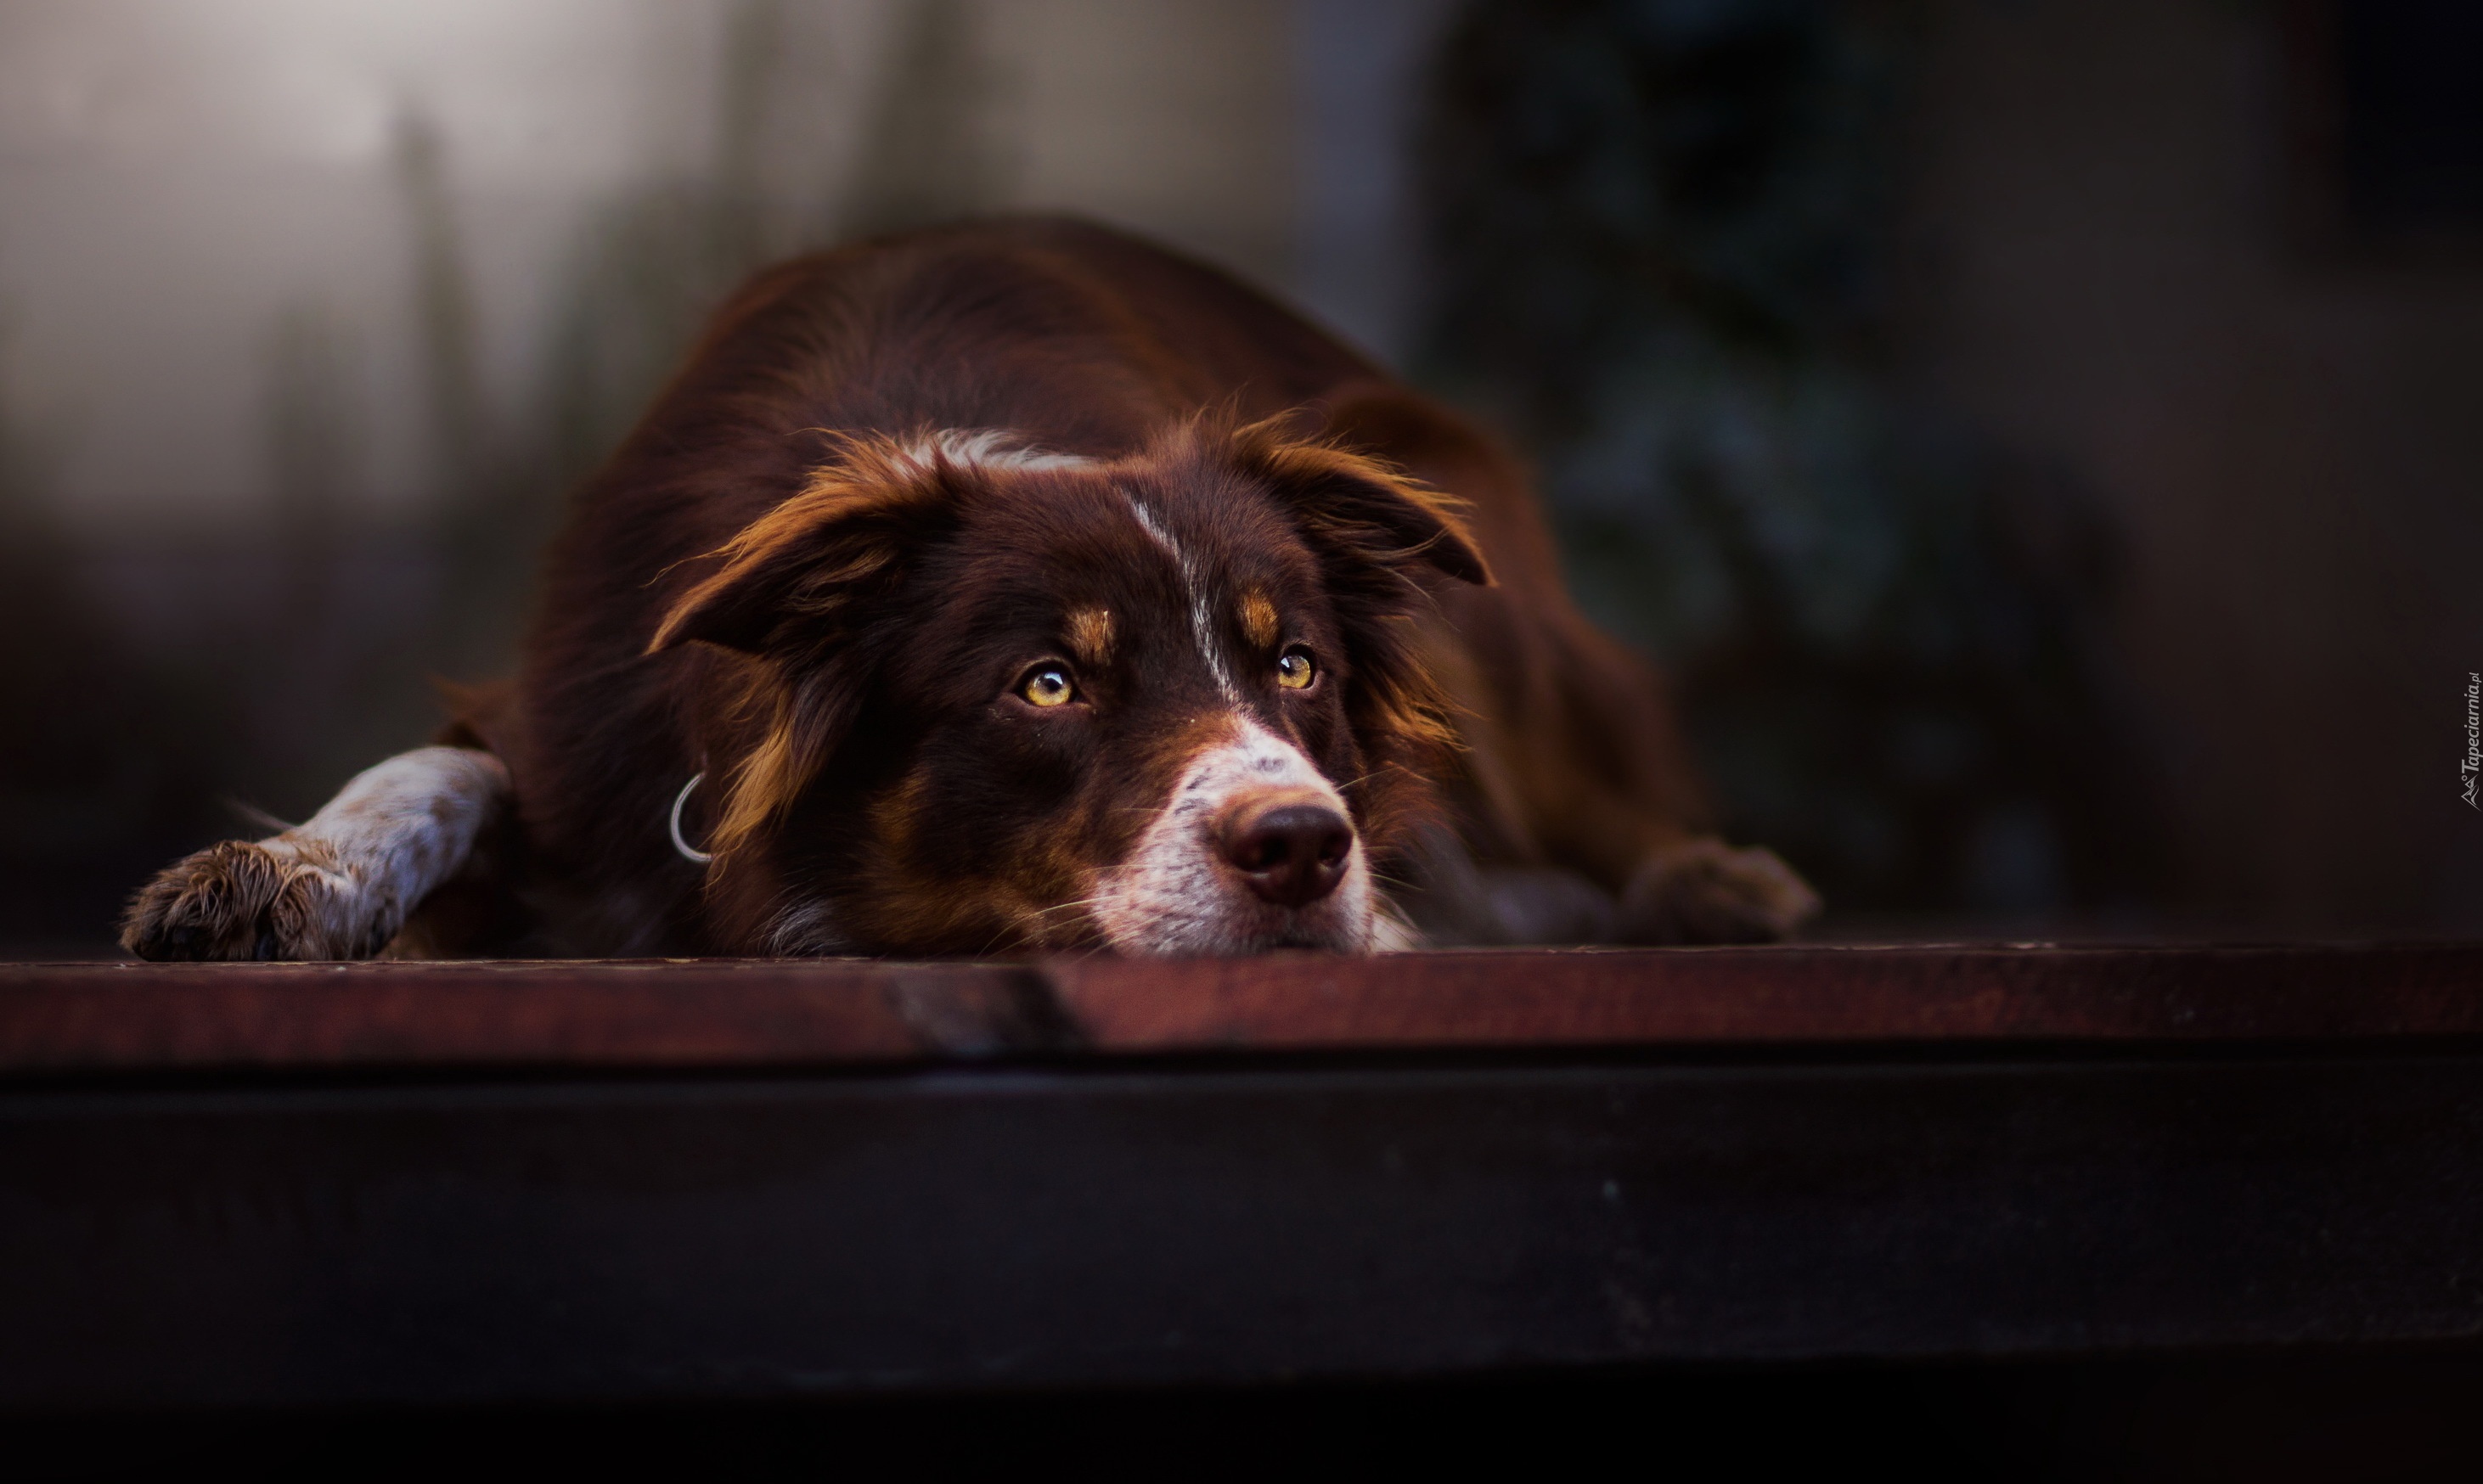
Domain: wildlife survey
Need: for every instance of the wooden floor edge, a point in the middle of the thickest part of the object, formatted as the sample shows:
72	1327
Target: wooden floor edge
62	1019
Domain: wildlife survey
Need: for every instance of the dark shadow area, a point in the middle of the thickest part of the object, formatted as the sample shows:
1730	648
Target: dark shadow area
2311	1417
1794	304
1663	240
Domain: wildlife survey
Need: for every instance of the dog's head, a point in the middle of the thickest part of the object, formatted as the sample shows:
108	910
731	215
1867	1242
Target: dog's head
986	699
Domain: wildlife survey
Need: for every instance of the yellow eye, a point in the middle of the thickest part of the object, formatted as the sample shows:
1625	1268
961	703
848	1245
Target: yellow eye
1294	668
1046	685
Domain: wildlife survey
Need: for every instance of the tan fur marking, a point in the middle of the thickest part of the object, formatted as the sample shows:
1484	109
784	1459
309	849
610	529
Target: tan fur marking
763	785
894	814
1258	619
1091	636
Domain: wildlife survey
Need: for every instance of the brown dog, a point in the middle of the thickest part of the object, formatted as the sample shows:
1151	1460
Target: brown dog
1016	587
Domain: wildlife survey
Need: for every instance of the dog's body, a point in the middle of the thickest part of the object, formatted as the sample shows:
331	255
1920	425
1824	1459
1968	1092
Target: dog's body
1019	586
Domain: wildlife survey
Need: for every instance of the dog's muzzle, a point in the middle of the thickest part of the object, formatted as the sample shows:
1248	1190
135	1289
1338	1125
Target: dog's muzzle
1253	851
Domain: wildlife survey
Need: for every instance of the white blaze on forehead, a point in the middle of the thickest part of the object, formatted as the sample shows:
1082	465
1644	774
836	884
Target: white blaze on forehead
1176	894
1202	621
987	447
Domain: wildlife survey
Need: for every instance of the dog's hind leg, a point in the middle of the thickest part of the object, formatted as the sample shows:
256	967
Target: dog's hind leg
336	887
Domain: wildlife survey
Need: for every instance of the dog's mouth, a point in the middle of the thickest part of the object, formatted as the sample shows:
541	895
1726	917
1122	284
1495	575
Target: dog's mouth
1254	850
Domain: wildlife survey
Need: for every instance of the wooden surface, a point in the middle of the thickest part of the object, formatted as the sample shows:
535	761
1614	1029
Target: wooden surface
305	1185
61	1019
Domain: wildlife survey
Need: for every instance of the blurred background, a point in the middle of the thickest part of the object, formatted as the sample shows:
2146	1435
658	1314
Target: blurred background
2042	439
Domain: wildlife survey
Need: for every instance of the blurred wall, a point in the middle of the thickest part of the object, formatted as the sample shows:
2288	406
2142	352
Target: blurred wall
179	175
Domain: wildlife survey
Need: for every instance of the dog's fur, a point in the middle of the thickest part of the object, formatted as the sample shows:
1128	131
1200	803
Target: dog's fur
903	493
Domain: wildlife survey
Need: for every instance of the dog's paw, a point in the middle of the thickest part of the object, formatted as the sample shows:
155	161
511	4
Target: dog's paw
1706	891
272	899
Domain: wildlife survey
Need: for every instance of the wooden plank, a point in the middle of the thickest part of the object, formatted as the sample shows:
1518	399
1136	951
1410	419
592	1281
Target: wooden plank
56	1018
1784	995
59	1018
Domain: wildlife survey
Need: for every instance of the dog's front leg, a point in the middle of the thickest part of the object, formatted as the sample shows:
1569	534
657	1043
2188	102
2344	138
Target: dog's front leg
338	887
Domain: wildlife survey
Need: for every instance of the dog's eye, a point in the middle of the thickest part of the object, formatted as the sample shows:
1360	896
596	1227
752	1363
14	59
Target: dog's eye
1046	685
1295	669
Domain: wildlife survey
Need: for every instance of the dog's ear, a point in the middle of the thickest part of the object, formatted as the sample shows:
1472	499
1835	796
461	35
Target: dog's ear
1375	518
795	577
791	592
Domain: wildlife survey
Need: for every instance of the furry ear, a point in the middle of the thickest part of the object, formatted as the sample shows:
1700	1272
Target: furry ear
1358	506
787	594
792	577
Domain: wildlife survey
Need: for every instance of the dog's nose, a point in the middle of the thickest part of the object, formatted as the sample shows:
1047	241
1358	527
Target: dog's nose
1291	853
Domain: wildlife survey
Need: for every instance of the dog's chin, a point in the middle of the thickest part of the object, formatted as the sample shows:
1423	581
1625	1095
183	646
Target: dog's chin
1227	920
1239	928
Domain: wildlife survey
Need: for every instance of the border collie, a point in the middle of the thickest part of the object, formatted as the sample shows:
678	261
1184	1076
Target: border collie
1021	587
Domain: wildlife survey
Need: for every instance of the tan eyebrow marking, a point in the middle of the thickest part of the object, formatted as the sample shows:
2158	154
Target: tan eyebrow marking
1091	636
1258	619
